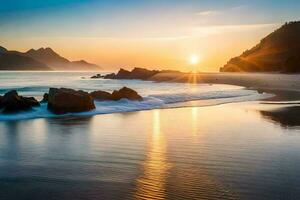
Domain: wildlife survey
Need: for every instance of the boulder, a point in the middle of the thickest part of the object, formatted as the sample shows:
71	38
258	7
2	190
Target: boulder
126	93
123	93
12	102
65	100
1	106
101	95
45	98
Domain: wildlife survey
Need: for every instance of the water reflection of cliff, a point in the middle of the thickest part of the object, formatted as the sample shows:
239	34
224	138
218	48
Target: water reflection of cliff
286	117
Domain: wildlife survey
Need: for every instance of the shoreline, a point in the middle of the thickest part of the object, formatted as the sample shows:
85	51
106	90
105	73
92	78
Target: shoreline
286	87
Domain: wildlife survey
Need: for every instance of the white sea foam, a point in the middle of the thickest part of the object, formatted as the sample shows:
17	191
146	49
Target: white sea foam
156	95
150	102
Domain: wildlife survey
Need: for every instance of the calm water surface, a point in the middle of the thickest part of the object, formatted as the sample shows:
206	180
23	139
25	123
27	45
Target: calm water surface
231	151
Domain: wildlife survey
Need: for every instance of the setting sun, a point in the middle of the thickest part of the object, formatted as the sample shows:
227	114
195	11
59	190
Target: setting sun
194	59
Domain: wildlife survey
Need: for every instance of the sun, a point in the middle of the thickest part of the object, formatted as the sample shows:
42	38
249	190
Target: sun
194	59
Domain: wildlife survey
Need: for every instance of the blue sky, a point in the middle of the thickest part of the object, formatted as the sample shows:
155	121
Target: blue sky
89	29
114	15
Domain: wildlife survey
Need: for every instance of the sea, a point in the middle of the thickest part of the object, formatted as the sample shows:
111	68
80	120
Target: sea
156	95
184	141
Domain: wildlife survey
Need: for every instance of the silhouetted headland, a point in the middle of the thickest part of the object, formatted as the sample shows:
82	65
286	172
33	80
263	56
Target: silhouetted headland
278	52
43	59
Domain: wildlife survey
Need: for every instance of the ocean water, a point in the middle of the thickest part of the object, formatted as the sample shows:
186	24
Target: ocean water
203	148
229	151
156	95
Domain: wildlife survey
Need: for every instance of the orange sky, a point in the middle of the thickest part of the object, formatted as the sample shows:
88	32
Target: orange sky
214	45
147	34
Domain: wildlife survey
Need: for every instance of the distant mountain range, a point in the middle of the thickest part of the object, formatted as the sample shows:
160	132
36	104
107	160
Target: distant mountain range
43	59
278	52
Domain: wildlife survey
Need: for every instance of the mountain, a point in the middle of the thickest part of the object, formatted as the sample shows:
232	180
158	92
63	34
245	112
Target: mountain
278	52
83	65
13	61
47	56
41	59
57	62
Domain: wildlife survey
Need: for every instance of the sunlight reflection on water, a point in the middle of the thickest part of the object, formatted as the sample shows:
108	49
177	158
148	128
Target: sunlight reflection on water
151	185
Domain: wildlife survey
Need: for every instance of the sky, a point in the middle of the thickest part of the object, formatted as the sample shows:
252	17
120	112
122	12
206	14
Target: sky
157	34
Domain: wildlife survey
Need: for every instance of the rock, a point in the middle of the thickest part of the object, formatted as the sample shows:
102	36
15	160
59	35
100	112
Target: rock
12	102
97	76
123	93
141	73
1	106
110	76
65	100
101	95
126	93
136	73
123	74
45	98
31	100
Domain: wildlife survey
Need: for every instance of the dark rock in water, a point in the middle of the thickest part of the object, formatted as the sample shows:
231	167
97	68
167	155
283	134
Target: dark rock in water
1	106
12	102
110	76
31	100
126	93
123	93
97	76
141	73
101	95
136	73
65	100
45	98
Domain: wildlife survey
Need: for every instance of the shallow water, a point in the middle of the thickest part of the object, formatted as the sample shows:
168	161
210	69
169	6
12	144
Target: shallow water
156	95
230	151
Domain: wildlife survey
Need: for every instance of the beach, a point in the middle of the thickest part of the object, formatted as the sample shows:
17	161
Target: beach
229	151
186	141
285	85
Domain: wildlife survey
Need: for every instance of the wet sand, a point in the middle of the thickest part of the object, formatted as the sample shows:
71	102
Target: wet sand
286	86
230	151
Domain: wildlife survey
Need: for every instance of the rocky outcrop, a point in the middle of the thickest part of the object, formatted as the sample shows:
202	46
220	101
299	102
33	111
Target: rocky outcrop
12	102
63	100
123	93
126	93
136	73
101	95
97	76
278	52
45	98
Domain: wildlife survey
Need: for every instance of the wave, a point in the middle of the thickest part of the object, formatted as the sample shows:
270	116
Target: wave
160	101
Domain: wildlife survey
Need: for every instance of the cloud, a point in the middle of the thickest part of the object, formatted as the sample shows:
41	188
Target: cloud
207	13
219	29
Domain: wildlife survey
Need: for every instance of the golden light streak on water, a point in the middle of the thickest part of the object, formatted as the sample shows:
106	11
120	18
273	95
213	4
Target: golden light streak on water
194	121
193	78
151	185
